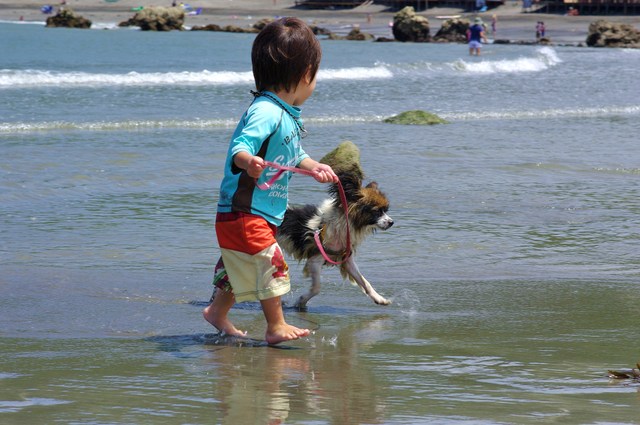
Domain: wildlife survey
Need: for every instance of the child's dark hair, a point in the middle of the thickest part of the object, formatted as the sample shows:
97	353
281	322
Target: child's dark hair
283	52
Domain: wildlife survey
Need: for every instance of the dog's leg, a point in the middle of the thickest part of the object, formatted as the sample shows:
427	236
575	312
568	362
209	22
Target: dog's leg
353	271
313	267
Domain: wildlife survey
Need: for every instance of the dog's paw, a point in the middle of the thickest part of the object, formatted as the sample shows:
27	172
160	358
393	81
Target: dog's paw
383	301
301	304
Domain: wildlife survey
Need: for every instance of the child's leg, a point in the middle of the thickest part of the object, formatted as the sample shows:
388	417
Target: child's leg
277	329
216	313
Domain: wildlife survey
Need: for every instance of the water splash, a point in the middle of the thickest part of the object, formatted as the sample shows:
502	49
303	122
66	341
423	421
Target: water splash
545	58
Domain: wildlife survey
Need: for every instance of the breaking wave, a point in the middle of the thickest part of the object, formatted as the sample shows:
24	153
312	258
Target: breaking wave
143	125
47	78
545	58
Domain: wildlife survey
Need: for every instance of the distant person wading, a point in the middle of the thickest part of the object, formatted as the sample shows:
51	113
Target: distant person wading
475	37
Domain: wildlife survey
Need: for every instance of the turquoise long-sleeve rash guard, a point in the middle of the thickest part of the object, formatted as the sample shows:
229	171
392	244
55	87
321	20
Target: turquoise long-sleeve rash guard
269	131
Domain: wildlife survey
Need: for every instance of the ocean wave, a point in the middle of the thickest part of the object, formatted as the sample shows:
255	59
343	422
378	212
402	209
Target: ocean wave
357	73
545	58
12	406
129	125
544	113
619	170
43	78
46	78
143	125
39	23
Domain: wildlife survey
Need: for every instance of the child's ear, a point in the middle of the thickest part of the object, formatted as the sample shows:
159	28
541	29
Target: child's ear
307	76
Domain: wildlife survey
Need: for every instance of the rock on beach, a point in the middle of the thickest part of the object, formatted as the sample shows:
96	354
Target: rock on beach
157	19
513	25
409	26
603	33
67	18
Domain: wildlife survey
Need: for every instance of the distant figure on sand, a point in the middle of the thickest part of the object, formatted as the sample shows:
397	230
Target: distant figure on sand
285	58
540	30
475	37
494	23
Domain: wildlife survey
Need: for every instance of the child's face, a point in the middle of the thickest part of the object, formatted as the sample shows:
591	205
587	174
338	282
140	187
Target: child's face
304	90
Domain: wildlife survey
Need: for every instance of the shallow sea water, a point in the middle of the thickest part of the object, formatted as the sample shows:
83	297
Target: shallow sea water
512	266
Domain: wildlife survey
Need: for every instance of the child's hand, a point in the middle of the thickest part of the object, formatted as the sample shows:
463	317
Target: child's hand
255	166
324	173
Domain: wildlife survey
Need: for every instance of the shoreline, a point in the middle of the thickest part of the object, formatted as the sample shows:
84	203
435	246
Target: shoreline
512	23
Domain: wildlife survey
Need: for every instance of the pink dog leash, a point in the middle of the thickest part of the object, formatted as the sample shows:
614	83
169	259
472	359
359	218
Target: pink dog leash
343	198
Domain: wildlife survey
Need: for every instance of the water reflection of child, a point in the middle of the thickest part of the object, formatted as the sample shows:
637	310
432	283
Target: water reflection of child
285	57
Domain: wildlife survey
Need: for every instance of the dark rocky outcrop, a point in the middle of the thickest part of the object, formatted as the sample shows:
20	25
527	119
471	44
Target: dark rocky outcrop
226	28
259	25
208	27
237	29
320	30
603	33
453	31
255	28
156	18
354	34
407	26
67	18
262	23
546	41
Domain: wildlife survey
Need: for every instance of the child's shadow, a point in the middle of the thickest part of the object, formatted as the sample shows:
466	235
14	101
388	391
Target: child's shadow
178	343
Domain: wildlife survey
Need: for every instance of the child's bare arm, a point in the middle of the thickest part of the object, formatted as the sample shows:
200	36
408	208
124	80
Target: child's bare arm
254	165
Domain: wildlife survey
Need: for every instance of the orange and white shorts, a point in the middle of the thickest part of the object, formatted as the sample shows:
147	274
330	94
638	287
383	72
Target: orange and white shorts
252	261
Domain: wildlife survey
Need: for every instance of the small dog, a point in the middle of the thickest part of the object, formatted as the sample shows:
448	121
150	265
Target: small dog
367	212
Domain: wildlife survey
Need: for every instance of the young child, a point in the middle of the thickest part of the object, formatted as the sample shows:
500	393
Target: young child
285	57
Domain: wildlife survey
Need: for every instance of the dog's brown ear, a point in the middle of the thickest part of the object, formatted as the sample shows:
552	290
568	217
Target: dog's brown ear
372	185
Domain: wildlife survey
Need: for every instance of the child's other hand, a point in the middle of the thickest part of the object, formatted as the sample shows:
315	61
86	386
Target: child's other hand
324	173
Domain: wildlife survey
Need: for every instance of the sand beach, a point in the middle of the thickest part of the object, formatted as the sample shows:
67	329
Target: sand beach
513	23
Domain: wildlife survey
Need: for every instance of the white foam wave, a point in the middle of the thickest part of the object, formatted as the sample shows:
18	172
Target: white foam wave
143	125
44	78
357	73
545	58
40	23
129	125
543	114
109	26
39	78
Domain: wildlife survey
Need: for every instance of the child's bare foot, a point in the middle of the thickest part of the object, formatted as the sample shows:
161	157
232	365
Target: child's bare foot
221	323
284	332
